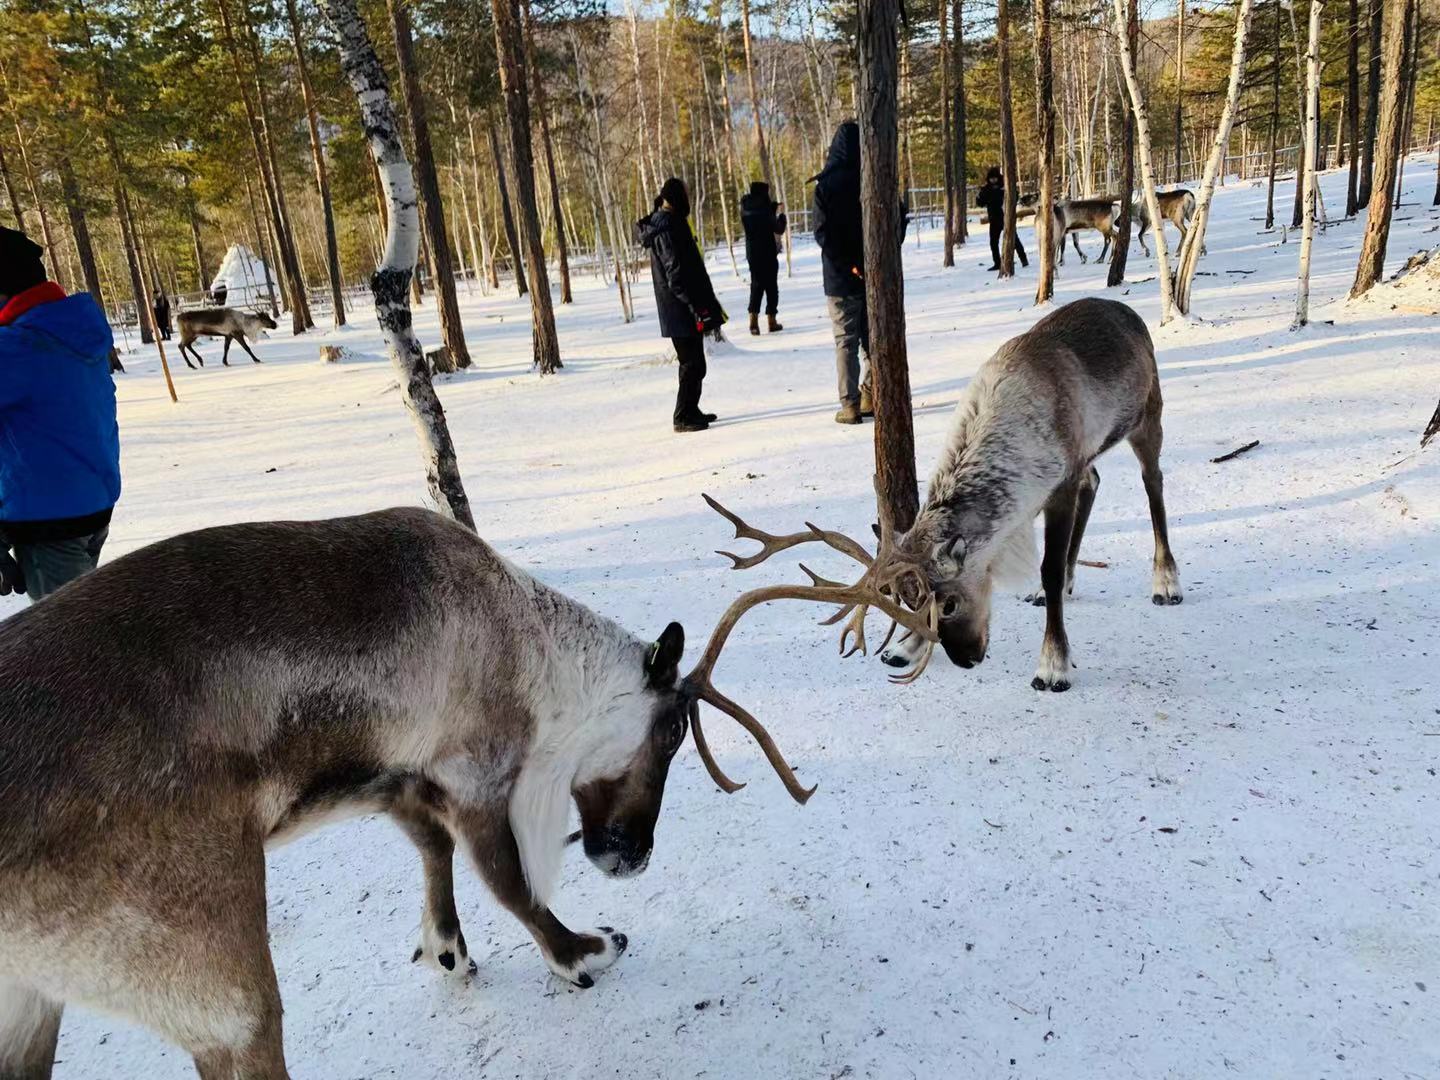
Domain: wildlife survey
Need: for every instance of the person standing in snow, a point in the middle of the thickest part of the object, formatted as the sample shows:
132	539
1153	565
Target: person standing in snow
161	308
991	198
59	440
764	224
840	234
684	299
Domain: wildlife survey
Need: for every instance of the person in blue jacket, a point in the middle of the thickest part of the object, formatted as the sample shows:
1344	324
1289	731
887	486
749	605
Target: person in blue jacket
59	440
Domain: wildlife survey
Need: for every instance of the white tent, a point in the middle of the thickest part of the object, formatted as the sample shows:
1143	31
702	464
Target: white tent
242	274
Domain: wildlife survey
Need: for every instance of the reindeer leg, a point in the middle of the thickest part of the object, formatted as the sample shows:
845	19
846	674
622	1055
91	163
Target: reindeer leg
442	943
1084	501
194	351
1053	673
29	1030
1146	440
1075	239
225	356
576	958
185	355
246	346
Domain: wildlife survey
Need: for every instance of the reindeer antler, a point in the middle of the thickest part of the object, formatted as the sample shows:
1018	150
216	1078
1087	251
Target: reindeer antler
878	587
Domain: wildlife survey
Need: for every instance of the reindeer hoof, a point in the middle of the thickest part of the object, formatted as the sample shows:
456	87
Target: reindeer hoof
1161	600
1036	598
594	952
446	953
1059	687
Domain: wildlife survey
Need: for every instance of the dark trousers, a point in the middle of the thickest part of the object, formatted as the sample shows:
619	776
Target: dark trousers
690	351
997	231
48	564
764	284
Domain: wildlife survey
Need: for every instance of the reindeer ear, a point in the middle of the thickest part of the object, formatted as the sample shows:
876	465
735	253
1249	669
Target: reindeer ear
662	662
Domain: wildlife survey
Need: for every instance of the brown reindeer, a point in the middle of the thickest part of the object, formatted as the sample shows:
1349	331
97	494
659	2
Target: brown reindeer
229	323
1176	207
1025	438
1073	216
171	715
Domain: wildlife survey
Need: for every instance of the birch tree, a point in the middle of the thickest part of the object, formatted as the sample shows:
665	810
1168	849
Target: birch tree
1194	243
1312	128
390	284
1147	165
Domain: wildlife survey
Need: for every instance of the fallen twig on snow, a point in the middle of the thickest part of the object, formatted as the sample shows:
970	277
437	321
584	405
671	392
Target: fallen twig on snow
1236	452
1094	563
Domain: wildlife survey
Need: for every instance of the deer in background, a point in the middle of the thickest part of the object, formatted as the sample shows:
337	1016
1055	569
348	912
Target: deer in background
229	323
1176	207
1073	216
1023	443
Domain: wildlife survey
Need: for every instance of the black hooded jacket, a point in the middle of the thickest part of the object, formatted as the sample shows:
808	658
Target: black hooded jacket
762	227
837	214
677	270
838	227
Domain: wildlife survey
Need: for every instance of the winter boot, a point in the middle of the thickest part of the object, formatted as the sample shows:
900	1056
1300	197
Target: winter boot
755	323
867	403
697	424
849	413
774	324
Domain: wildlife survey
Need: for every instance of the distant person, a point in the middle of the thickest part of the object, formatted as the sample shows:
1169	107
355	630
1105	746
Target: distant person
161	309
991	197
684	299
220	292
59	442
764	225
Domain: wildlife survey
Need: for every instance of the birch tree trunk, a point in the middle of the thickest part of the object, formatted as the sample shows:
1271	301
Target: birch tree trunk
1011	164
452	330
1147	166
1297	212
510	47
1312	103
1194	242
1121	255
487	252
322	175
896	485
651	183
391	281
1045	109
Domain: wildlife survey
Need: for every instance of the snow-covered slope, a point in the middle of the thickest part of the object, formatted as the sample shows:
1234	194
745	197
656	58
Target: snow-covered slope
1215	856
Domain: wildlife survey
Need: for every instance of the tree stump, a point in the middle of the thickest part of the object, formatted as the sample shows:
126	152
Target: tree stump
333	354
440	360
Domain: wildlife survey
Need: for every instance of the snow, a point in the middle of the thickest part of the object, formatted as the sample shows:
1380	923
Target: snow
243	273
1215	856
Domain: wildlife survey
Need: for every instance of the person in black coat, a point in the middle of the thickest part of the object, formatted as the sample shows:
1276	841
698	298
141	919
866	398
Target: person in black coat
684	299
991	198
161	308
764	224
840	234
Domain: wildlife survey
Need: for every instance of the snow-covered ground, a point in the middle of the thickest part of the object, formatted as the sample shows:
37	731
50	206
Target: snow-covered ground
1215	856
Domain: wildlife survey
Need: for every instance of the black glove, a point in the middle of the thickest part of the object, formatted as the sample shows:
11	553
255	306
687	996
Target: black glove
707	321
11	579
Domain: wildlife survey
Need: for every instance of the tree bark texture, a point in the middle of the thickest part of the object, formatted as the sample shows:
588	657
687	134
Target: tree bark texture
507	212
962	179
1120	256
1045	130
557	212
80	230
946	137
754	97
1007	139
1371	267
1372	101
1312	110
1352	106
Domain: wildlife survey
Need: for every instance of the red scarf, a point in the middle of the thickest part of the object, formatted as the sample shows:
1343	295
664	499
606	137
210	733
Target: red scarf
44	293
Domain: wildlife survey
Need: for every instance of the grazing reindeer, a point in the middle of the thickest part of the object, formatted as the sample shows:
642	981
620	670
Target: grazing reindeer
1073	216
1176	207
172	714
229	323
1025	437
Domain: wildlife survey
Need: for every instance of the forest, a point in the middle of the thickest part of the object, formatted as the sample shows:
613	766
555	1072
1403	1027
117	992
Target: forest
139	140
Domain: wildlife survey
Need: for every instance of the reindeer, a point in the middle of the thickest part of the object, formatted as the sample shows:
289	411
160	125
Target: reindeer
1073	216
1176	207
1024	441
171	715
229	323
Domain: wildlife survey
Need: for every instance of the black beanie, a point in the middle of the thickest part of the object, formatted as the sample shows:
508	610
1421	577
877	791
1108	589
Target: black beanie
673	192
760	188
20	266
